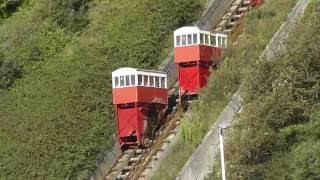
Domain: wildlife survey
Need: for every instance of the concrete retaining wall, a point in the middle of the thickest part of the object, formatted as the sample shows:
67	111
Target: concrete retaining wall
105	165
200	163
277	44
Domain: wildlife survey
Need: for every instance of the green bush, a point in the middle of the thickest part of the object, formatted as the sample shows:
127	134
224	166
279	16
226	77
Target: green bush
8	6
58	119
68	14
277	135
9	72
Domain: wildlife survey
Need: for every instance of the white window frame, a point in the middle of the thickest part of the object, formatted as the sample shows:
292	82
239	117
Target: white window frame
127	84
202	39
124	82
186	34
176	42
143	74
223	43
142	83
197	35
135	79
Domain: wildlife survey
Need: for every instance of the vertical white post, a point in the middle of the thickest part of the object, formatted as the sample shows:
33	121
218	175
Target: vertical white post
223	170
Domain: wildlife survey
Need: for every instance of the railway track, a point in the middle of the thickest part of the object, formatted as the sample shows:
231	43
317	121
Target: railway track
166	133
134	163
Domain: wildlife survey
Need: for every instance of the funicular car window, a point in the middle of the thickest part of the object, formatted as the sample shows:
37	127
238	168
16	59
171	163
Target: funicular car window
184	39
121	81
224	42
128	80
206	39
219	41
146	80
189	39
213	40
201	38
157	82
140	80
163	82
133	80
116	82
151	81
178	40
195	38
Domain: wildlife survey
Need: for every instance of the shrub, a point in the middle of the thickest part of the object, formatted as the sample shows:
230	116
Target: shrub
9	72
8	6
58	119
275	138
68	14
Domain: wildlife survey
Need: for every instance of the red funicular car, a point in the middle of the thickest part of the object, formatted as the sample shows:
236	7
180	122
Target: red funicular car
195	52
138	96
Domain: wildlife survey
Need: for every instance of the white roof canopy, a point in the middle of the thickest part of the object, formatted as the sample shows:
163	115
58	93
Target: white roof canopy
192	35
127	77
189	30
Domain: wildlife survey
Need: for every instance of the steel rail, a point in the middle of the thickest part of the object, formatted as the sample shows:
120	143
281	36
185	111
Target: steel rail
137	172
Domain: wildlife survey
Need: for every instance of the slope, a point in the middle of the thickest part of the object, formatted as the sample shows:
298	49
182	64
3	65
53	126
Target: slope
260	26
277	136
56	62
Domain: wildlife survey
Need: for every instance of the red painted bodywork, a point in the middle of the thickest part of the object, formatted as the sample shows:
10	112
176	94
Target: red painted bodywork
135	106
196	53
140	94
130	123
257	2
192	77
193	65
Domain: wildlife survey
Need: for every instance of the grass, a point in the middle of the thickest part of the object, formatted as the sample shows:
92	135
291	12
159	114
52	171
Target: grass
261	24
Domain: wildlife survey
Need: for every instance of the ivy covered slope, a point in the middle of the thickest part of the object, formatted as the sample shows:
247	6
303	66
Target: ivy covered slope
56	59
278	135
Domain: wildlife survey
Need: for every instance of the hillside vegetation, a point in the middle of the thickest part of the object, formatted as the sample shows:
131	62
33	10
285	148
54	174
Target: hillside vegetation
260	26
56	59
277	136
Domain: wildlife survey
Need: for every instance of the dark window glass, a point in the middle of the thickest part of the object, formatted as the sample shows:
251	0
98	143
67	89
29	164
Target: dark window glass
127	80
163	82
219	41
116	82
201	38
213	40
189	39
184	39
121	81
224	42
133	80
146	80
157	81
206	38
139	80
195	38
178	41
151	81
